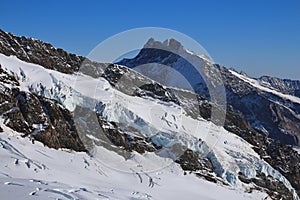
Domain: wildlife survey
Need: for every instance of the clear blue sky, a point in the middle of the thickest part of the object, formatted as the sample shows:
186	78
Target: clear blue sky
256	36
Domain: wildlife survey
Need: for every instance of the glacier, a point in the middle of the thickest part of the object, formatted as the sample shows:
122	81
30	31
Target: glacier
165	123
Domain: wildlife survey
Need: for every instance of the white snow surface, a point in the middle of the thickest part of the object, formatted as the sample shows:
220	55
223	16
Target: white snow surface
32	169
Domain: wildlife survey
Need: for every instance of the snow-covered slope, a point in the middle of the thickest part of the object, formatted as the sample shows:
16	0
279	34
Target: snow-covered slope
32	171
166	124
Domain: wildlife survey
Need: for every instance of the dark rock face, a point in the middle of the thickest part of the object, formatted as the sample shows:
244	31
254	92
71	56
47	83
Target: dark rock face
40	118
286	160
203	168
157	91
191	161
31	108
7	78
270	185
38	52
120	77
62	130
113	73
124	139
268	118
268	114
110	135
274	188
9	107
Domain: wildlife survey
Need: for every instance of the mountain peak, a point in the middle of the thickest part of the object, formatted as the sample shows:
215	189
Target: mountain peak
168	45
176	47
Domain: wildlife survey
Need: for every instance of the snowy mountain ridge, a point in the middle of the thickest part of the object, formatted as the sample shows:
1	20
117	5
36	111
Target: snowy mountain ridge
278	97
260	85
285	86
118	113
159	142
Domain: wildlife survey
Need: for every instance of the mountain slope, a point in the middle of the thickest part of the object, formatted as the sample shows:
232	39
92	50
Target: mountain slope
160	132
35	172
107	112
280	108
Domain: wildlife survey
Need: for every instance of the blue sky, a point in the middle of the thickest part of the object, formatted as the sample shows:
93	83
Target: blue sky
257	36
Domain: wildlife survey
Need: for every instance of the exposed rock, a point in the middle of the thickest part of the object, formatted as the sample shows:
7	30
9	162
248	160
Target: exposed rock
285	86
244	179
121	78
274	188
40	118
109	134
7	78
157	91
191	161
119	137
38	52
202	167
60	127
